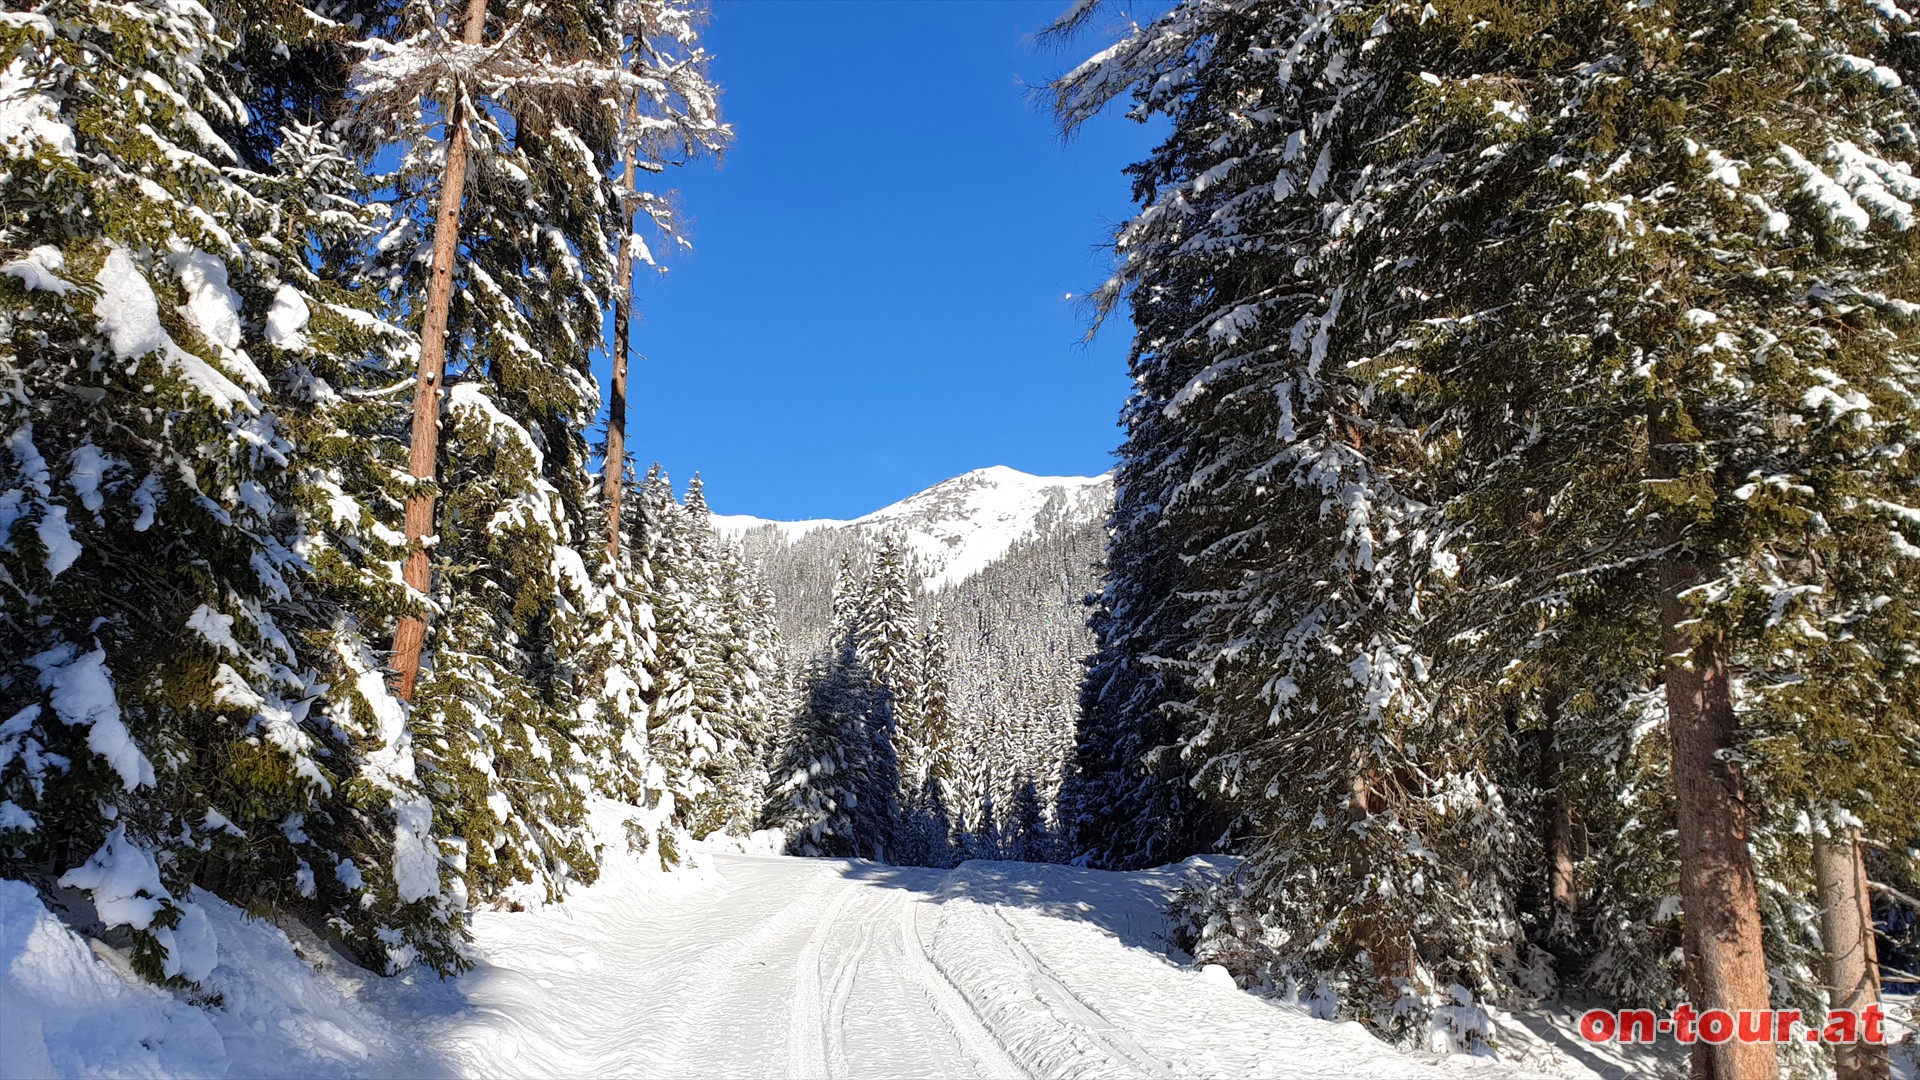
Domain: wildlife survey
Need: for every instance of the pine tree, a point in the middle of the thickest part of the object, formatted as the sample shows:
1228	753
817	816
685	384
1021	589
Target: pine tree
459	112
167	337
1296	503
672	112
733	641
515	696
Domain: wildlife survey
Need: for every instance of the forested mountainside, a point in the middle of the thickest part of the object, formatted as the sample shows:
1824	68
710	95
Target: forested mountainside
949	533
993	569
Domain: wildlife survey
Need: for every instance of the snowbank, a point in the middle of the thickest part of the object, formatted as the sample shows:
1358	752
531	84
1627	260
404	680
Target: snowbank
68	1008
757	842
272	1006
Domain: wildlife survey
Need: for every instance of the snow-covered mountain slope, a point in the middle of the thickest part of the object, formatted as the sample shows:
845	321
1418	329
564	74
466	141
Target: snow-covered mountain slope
958	527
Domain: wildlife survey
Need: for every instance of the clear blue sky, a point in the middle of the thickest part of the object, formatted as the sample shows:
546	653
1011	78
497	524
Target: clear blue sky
876	296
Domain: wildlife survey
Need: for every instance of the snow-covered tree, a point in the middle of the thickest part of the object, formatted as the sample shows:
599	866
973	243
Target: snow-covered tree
1295	499
835	784
189	702
207	308
672	112
1538	352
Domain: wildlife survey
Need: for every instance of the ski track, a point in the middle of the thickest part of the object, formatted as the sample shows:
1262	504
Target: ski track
966	1024
806	1046
838	970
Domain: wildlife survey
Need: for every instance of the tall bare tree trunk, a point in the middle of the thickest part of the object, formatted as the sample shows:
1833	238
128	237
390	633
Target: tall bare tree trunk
1846	931
1726	964
1557	834
411	635
1559	838
616	460
1719	897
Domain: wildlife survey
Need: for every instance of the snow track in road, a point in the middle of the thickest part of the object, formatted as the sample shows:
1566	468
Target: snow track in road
1068	1010
863	980
806	1025
1045	1026
966	1024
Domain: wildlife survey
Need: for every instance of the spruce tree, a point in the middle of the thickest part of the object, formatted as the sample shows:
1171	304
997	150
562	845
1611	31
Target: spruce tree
672	111
836	788
1683	204
198	713
1297	504
1609	313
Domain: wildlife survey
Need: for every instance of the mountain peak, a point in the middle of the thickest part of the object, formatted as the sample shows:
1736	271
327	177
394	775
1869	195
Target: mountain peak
956	528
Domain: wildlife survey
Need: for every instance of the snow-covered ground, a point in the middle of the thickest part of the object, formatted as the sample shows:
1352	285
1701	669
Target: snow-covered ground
745	966
957	527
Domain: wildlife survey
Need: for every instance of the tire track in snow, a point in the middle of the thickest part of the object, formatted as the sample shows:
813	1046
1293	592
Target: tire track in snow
975	1038
711	978
1047	1028
846	970
806	1025
876	928
1102	1030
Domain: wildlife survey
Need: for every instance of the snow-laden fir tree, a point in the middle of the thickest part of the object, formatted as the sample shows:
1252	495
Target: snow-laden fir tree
683	747
928	767
721	755
749	642
1130	802
1295	490
889	651
714	689
1659	260
188	702
1621	290
835	785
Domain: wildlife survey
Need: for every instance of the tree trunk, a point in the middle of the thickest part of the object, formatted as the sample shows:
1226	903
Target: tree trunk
411	635
1726	964
1559	823
616	459
1557	835
1846	931
1719	897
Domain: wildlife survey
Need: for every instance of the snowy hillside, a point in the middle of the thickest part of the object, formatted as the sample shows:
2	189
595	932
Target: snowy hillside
958	527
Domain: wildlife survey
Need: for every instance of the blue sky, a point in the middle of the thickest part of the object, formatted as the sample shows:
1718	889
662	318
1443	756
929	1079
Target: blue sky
876	296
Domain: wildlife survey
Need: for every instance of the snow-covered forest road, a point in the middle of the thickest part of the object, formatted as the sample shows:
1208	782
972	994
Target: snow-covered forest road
733	966
821	968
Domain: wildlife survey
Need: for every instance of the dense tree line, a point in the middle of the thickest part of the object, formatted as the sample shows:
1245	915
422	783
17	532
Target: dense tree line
984	746
1019	639
219	507
1514	552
